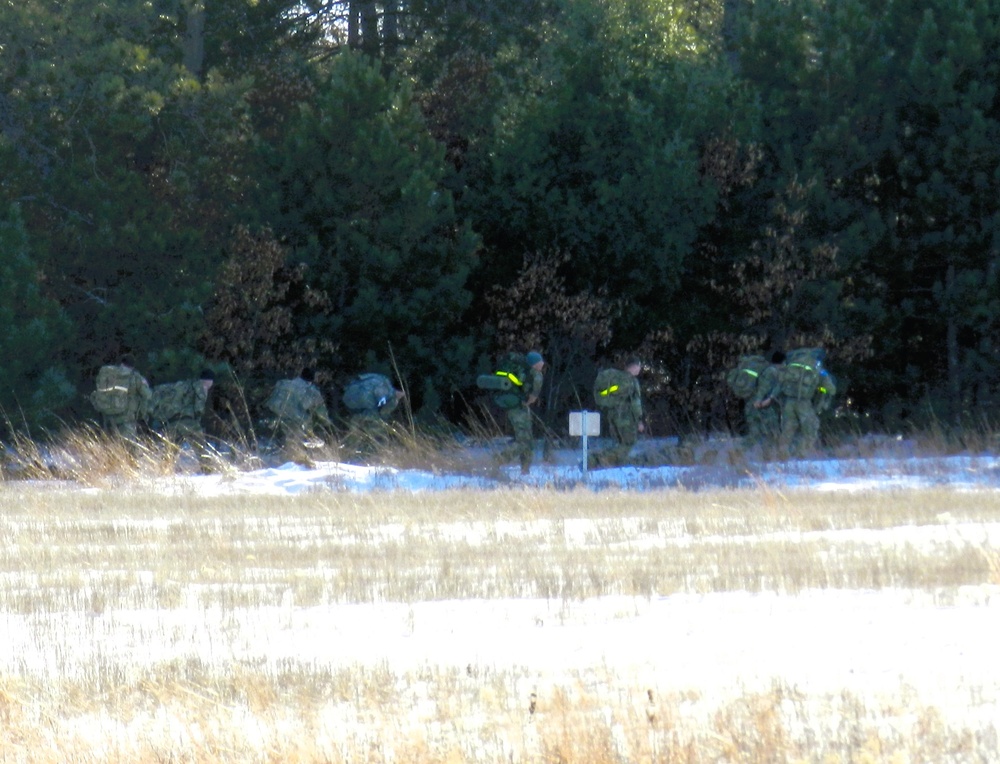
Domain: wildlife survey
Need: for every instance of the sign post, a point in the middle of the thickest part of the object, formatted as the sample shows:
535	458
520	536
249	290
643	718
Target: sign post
584	424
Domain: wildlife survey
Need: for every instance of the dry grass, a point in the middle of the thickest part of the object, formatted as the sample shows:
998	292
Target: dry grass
72	559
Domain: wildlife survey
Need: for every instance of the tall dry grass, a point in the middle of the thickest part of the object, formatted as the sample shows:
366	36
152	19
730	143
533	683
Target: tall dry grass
75	560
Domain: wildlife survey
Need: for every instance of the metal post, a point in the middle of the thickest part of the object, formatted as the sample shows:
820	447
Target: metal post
583	423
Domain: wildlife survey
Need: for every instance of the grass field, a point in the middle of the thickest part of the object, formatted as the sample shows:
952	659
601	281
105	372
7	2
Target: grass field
329	627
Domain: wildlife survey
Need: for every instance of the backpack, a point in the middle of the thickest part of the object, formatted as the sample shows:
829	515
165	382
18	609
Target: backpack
112	394
612	387
285	401
513	374
175	400
368	392
800	375
742	380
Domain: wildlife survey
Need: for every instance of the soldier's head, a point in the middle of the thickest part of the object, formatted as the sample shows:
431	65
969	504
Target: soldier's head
535	360
307	374
633	366
207	378
127	359
777	357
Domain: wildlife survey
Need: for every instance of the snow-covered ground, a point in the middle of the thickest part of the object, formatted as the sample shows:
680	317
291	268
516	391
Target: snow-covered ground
900	650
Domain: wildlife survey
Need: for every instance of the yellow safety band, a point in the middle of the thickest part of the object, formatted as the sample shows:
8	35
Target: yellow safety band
511	377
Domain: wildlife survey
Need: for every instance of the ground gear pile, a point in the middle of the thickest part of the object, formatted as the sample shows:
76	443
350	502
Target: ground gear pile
176	400
509	380
742	380
112	396
368	392
612	388
801	374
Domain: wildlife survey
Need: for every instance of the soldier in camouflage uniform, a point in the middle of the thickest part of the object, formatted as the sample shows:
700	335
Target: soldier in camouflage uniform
799	420
178	407
520	417
623	407
299	407
371	399
763	411
139	396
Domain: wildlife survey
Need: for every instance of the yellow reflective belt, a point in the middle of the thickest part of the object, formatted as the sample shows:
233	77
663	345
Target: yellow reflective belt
511	377
608	390
751	372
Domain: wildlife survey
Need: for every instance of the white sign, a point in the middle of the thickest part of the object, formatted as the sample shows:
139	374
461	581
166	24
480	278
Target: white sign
584	423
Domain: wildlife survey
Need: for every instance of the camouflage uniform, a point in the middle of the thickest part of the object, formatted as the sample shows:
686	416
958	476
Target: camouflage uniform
520	422
764	424
623	420
139	396
799	424
298	405
369	424
186	424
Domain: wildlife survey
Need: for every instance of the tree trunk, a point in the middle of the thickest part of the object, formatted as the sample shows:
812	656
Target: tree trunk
369	29
194	37
730	32
354	25
951	340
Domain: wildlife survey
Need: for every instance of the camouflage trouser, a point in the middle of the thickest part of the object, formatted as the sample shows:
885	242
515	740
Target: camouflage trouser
368	431
188	430
624	429
524	444
799	427
763	425
123	427
295	435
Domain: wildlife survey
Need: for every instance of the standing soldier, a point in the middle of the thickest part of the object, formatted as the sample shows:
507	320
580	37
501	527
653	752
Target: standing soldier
617	392
122	397
530	389
298	406
800	379
764	412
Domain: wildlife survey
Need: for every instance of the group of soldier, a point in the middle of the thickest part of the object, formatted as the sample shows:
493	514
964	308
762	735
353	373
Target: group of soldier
782	400
124	398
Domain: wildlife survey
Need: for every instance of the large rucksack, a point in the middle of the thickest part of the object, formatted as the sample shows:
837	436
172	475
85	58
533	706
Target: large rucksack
112	395
742	380
175	400
286	401
509	381
612	388
368	392
800	375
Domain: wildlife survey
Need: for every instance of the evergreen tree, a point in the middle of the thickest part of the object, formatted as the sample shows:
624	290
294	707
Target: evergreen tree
33	386
359	199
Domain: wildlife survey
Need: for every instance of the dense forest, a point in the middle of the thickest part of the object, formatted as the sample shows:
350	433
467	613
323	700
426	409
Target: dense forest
413	186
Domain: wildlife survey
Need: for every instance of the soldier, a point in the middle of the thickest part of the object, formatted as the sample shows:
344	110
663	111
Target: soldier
520	416
763	412
799	380
298	406
176	412
177	407
617	392
370	398
122	397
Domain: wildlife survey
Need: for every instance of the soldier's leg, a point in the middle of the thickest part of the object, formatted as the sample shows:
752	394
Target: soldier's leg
789	428
809	425
770	429
520	421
